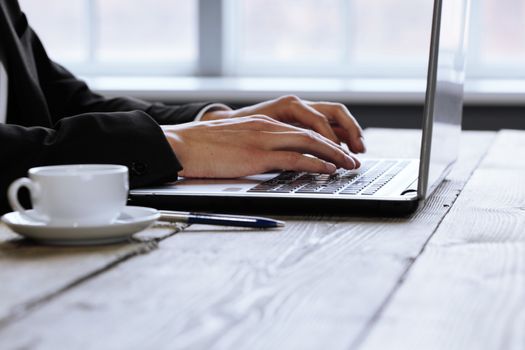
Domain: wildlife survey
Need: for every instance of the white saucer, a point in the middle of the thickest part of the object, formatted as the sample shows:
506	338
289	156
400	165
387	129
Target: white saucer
131	220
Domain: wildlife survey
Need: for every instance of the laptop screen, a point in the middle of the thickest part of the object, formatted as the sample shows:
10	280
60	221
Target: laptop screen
444	97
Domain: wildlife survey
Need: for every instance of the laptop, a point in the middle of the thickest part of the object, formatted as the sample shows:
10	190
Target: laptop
379	186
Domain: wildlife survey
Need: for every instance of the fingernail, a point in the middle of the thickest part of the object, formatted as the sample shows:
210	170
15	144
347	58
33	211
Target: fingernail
363	147
351	164
330	167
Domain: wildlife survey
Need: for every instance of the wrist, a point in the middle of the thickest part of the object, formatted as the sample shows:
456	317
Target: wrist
174	140
176	144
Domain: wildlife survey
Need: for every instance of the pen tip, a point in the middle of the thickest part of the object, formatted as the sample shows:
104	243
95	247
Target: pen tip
280	223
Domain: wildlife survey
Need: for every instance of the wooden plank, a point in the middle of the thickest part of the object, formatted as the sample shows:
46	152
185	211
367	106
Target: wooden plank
316	284
32	273
507	152
467	291
38	265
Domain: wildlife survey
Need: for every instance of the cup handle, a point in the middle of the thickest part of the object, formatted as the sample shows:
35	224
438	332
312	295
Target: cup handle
12	195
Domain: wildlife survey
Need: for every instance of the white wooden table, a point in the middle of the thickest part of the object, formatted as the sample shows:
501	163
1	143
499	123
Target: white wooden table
452	276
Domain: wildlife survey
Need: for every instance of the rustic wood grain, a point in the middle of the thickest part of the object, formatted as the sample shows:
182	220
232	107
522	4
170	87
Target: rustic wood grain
317	284
467	291
31	273
507	152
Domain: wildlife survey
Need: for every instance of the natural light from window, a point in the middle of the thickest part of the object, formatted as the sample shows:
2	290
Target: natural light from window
311	38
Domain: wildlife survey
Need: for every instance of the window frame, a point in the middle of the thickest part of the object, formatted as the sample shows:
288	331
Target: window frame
90	66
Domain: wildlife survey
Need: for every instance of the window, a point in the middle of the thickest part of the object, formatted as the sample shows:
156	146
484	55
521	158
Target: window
323	38
498	40
331	37
118	36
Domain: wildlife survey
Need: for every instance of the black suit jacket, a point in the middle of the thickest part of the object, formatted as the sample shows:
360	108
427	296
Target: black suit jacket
54	118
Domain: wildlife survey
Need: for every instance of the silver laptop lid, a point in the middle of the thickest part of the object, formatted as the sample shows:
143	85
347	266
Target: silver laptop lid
444	96
3	87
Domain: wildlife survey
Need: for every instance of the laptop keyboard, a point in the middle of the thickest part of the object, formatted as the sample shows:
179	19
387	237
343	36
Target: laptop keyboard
367	180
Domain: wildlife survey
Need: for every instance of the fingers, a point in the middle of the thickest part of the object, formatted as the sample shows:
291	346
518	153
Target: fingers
261	134
269	134
307	141
269	124
313	119
341	118
323	117
332	120
347	121
265	123
283	160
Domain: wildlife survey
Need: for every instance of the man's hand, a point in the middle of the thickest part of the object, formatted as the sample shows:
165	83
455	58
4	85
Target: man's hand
332	120
229	148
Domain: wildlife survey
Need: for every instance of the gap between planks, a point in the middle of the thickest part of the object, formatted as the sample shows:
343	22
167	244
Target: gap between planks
466	290
306	245
356	344
146	246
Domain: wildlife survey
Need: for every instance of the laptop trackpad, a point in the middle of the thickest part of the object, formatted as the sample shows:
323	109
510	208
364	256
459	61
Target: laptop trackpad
214	185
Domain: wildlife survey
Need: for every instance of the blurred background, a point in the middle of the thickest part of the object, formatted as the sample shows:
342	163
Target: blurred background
365	52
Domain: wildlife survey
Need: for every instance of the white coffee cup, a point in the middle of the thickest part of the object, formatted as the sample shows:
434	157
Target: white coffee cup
73	195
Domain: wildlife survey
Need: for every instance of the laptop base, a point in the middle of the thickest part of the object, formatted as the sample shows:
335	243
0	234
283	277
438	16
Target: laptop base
280	206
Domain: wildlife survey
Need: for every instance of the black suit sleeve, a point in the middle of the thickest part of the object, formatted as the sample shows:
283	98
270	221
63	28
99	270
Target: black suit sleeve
133	139
54	118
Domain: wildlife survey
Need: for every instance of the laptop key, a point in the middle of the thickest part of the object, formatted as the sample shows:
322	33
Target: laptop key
350	192
307	190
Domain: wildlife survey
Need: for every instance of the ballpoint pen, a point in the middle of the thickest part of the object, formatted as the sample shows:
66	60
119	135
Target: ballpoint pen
219	219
